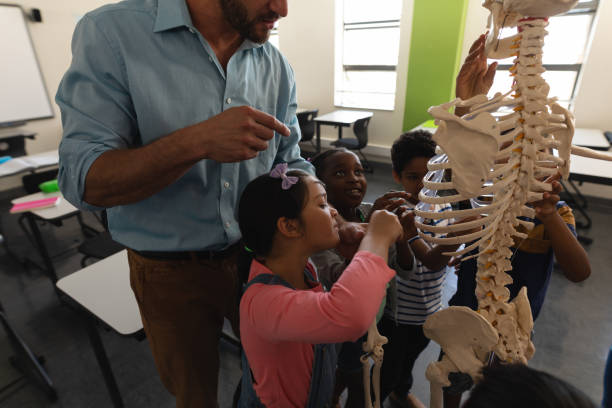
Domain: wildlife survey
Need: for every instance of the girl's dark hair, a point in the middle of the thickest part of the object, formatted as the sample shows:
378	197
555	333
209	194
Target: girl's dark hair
409	145
320	161
263	202
516	385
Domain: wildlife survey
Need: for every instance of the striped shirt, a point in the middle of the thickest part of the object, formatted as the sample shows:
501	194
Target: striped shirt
420	293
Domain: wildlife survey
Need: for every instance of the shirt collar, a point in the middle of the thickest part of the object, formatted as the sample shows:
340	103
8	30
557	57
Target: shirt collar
172	14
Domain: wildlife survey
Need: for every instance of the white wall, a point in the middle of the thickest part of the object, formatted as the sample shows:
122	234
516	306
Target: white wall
306	38
592	106
51	40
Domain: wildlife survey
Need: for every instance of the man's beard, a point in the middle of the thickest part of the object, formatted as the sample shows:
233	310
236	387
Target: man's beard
236	13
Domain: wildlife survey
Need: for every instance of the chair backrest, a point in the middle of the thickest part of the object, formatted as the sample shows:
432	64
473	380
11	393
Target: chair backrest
307	125
12	146
360	128
31	181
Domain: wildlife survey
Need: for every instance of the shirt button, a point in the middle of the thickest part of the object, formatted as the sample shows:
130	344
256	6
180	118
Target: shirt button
210	59
228	100
226	184
227	224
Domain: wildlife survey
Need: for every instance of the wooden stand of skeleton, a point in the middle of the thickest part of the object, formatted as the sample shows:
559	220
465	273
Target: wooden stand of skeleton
496	162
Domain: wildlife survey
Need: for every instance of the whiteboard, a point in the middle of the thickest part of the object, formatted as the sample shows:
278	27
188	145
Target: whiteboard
23	95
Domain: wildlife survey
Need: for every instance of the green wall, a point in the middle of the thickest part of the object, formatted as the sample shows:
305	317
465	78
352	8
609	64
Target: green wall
435	53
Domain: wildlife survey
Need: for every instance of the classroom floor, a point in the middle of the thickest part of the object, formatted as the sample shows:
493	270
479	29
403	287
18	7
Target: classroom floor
572	335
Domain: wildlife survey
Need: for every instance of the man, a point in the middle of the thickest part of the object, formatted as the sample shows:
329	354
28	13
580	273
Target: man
169	108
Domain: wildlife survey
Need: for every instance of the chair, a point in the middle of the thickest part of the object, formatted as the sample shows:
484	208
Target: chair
14	145
28	221
30	184
99	246
360	128
307	125
31	181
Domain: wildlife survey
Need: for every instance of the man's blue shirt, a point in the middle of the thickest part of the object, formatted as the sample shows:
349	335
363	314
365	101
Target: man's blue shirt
140	71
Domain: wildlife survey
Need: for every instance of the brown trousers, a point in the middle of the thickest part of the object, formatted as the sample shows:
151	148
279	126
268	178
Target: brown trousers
182	305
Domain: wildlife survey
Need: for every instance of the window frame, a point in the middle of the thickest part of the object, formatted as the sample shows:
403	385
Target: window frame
582	8
342	68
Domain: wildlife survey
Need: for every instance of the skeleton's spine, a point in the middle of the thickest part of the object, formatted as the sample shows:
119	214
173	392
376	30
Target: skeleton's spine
494	262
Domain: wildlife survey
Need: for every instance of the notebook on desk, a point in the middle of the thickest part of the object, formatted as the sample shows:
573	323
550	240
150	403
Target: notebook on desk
27	163
35	205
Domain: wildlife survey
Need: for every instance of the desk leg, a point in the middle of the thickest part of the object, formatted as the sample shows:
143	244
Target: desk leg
583	201
577	206
107	372
339	132
42	248
318	138
26	361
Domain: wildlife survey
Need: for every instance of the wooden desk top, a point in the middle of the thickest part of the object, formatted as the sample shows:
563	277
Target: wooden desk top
342	117
104	289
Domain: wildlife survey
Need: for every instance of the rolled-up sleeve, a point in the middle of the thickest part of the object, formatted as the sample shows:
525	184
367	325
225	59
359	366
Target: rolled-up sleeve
97	111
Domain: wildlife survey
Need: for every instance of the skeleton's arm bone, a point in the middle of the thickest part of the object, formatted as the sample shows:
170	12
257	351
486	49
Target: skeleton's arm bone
593	154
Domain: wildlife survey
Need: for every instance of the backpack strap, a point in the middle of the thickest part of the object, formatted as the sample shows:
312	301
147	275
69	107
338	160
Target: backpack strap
271	279
309	276
267	279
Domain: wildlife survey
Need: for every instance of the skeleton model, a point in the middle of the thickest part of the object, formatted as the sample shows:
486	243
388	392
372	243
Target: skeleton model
497	162
373	348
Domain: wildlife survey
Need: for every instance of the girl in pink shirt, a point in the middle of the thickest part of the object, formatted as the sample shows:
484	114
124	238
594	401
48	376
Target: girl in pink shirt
286	319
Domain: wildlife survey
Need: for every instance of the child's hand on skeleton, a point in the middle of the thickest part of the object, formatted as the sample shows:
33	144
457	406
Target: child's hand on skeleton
390	201
406	218
385	226
351	234
475	76
547	207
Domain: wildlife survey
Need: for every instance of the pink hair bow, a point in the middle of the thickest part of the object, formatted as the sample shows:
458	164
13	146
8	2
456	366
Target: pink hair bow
280	172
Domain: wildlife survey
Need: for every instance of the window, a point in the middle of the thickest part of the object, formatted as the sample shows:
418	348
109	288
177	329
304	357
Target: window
367	48
274	36
564	51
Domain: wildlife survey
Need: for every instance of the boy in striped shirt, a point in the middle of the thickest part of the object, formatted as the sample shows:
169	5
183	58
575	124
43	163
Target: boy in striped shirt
416	291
